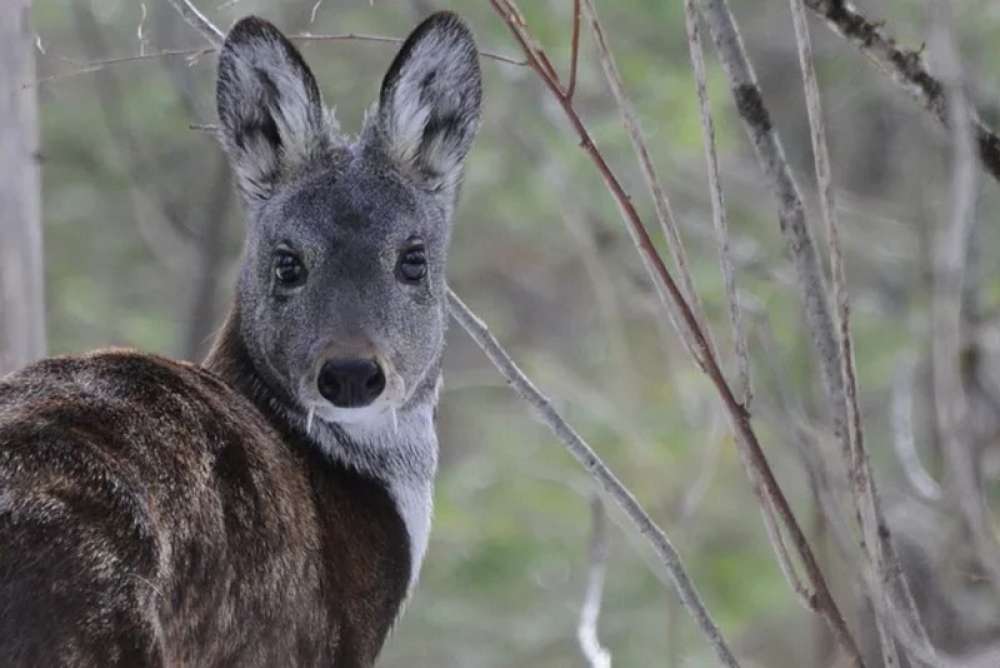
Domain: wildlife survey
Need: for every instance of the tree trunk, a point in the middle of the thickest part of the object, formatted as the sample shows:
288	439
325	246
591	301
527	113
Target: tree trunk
22	312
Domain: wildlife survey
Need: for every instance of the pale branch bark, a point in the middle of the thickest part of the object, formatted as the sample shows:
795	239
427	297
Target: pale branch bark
791	211
22	306
586	633
719	217
923	484
867	505
691	333
593	464
951	243
198	21
906	68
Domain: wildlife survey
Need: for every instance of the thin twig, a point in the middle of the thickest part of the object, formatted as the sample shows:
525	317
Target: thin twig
767	506
315	9
574	51
791	211
197	20
863	492
593	464
661	203
673	299
905	68
920	480
719	217
360	37
590	644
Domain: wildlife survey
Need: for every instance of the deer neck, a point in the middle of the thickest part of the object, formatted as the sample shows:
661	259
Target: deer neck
399	451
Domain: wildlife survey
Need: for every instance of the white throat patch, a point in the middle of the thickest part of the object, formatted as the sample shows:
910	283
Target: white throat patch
400	449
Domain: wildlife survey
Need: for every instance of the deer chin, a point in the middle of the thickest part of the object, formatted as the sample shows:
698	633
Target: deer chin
379	414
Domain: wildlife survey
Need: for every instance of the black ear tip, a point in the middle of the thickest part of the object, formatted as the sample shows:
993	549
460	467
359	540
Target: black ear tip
251	27
445	18
445	22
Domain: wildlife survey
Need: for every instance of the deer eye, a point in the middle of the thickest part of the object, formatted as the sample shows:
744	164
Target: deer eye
289	271
413	264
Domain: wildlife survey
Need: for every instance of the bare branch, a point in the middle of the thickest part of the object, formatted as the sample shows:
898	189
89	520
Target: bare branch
596	654
574	50
664	212
593	464
719	217
791	211
905	68
197	20
863	492
902	432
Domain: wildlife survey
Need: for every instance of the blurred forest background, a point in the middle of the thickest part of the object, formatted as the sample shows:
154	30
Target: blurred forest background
142	232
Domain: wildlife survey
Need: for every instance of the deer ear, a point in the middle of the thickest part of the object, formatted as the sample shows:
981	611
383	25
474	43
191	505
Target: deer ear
428	111
269	106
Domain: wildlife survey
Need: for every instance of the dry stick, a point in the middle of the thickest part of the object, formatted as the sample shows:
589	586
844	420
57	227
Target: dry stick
767	503
198	21
791	212
721	226
863	493
661	203
668	291
906	68
590	644
589	459
952	406
574	50
719	217
925	486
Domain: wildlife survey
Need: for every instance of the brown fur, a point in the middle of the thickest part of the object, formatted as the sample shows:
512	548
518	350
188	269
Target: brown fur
151	514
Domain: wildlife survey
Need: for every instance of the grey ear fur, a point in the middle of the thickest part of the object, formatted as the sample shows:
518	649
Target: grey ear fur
269	107
429	107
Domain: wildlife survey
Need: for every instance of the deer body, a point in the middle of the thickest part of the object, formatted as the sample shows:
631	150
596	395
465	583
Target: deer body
272	506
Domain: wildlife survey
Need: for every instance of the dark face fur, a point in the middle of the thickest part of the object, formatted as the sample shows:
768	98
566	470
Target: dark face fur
342	289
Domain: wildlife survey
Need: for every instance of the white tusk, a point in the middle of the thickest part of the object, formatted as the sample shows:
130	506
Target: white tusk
309	420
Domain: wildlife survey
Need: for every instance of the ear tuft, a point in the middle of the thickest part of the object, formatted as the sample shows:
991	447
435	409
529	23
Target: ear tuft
269	106
429	107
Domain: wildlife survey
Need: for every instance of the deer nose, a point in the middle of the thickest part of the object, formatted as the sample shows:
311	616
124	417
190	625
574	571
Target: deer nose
351	383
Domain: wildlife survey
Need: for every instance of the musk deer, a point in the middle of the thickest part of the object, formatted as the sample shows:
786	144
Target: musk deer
272	506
